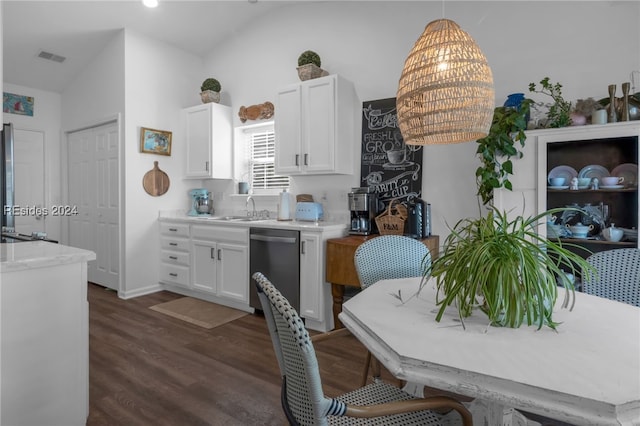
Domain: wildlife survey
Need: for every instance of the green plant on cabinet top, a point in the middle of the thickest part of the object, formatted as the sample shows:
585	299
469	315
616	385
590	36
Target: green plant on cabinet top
309	57
559	114
210	84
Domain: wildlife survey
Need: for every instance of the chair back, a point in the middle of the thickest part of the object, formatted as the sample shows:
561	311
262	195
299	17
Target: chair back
390	256
303	398
617	275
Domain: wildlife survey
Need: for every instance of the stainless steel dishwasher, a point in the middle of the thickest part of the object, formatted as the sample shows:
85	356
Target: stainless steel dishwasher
275	253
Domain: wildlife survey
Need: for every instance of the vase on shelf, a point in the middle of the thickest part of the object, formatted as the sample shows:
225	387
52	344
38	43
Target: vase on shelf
514	101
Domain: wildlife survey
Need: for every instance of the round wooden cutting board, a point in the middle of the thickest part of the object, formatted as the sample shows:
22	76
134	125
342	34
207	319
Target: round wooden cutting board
155	182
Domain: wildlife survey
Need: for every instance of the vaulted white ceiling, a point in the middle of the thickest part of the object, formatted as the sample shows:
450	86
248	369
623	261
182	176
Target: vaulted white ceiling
80	29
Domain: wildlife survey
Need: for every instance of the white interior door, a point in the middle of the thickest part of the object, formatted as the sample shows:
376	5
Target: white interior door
93	187
28	152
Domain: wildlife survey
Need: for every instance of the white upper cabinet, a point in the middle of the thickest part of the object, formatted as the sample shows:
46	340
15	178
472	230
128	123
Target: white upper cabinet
316	127
208	136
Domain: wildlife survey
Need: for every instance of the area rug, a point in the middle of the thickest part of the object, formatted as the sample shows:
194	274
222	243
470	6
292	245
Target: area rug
199	312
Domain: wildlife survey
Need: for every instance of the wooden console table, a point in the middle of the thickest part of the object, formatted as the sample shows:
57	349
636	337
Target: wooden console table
341	271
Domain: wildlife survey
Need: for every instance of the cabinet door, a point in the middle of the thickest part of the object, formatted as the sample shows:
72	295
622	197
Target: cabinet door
207	129
311	277
204	265
198	140
233	272
318	124
288	130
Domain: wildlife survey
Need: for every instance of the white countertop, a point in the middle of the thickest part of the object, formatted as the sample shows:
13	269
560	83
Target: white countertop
320	226
39	254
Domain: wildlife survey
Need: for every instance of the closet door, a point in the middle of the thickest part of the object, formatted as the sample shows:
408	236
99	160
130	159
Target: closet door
93	189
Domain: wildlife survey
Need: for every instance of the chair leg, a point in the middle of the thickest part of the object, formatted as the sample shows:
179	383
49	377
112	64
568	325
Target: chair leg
375	368
365	373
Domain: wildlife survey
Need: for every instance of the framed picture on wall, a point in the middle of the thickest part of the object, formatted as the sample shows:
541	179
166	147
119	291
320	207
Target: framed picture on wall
154	141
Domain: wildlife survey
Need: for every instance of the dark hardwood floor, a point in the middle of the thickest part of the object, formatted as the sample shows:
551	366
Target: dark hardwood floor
146	368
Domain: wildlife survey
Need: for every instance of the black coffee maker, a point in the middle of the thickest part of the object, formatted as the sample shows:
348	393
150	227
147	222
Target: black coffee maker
363	205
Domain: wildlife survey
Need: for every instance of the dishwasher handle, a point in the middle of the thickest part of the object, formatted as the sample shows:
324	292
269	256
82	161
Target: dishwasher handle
272	239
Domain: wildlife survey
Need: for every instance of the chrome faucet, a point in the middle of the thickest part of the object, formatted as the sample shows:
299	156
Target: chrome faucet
253	204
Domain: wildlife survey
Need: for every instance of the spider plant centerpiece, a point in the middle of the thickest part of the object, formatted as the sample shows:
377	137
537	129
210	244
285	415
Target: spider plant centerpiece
504	268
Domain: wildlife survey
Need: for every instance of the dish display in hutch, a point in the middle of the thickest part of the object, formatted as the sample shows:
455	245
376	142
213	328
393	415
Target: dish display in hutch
600	156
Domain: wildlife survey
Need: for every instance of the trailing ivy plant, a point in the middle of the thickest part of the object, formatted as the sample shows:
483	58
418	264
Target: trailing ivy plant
496	149
559	114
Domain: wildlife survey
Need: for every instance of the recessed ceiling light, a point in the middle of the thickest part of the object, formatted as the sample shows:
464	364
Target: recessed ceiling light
150	3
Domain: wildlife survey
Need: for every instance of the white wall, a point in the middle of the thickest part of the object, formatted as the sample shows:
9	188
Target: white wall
46	118
147	83
367	42
583	45
159	81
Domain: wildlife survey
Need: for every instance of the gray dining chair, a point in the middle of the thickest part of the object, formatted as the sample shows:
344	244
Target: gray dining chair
388	257
616	275
302	397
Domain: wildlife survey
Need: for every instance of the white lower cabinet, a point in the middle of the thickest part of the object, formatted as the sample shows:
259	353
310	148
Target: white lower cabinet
315	292
174	254
206	261
211	262
221	261
311	276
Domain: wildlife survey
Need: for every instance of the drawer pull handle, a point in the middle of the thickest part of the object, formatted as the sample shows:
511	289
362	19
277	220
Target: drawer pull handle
173	257
173	274
173	229
173	244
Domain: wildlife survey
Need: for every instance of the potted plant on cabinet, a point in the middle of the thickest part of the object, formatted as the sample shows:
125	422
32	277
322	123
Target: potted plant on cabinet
559	114
504	268
210	91
309	66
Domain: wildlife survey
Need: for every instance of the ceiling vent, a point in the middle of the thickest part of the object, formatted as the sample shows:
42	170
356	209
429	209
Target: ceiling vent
51	56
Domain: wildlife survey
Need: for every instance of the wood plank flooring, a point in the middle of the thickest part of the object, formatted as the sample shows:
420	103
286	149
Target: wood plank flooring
147	368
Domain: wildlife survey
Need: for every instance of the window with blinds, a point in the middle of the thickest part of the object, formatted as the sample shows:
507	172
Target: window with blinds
261	149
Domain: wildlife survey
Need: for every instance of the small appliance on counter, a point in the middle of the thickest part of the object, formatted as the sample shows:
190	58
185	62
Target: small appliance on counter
309	211
284	207
363	205
201	202
419	219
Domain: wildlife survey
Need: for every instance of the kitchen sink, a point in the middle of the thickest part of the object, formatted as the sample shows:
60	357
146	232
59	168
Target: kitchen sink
237	218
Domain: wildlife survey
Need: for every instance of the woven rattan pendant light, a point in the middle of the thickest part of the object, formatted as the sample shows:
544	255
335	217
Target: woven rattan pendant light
445	94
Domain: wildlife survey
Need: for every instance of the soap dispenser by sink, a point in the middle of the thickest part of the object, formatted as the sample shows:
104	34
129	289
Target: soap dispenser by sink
284	207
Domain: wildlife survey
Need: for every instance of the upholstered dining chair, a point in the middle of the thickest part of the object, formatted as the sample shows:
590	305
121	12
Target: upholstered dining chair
616	276
302	397
388	257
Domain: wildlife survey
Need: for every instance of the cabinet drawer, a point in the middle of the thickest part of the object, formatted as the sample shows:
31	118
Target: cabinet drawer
178	244
174	274
174	257
220	233
177	229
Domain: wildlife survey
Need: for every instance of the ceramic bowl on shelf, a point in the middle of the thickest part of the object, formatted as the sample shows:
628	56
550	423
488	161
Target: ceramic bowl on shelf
612	233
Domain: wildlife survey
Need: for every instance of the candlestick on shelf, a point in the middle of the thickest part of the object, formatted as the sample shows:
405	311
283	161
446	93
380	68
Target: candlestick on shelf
625	102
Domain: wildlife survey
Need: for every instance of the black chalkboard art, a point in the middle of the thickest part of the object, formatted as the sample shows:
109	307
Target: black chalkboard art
389	166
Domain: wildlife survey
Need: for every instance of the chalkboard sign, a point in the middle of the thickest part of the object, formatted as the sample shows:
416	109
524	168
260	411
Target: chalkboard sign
391	168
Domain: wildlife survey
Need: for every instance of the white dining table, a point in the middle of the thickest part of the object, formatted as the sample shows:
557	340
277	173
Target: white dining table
587	372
